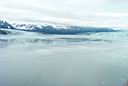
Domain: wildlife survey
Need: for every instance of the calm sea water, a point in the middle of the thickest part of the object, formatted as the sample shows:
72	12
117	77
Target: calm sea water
30	59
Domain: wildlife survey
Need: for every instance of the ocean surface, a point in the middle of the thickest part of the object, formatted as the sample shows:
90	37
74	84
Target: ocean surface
35	59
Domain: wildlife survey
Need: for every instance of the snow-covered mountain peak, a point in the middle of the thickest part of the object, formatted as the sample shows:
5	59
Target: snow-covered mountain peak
5	24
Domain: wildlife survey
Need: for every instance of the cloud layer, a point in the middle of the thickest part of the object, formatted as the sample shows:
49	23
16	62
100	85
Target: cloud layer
73	12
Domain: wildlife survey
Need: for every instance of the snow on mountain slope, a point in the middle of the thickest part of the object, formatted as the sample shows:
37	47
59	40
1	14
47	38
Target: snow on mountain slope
4	24
60	29
55	29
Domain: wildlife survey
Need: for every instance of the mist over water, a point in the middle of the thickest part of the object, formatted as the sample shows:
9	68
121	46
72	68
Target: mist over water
33	59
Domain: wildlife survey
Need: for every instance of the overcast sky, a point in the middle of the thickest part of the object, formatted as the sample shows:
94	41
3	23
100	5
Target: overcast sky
70	12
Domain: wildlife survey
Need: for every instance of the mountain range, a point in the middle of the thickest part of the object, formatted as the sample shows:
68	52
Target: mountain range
53	29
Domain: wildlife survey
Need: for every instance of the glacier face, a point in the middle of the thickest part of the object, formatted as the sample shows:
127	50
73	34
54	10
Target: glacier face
11	36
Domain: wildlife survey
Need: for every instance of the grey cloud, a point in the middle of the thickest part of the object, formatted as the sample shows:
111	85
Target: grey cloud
77	10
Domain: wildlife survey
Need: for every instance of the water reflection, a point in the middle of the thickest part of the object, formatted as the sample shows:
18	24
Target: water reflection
4	42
